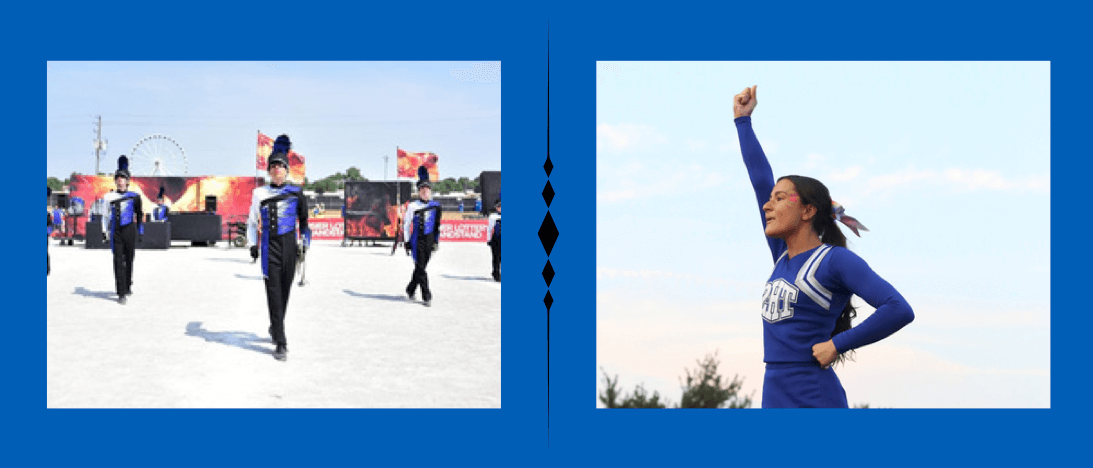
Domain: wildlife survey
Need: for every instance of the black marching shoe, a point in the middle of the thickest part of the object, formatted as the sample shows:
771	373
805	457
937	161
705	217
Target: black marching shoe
281	353
121	300
410	294
428	303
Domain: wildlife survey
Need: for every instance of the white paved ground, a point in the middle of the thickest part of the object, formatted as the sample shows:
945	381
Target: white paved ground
194	335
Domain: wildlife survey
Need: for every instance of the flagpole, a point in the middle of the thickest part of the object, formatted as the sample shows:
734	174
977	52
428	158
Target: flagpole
257	138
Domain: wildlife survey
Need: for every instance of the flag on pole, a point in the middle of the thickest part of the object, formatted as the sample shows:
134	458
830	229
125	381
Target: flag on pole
409	162
298	168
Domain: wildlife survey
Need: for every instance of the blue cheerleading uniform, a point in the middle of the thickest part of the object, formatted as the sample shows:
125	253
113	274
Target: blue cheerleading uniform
275	215
802	300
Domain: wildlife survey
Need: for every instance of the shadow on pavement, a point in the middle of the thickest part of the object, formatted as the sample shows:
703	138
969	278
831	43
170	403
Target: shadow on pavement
469	278
382	297
238	339
248	277
232	260
108	295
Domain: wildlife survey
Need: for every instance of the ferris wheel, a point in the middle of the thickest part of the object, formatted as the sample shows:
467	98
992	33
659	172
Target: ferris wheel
157	155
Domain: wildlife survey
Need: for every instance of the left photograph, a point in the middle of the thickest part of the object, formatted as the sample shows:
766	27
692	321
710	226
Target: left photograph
273	235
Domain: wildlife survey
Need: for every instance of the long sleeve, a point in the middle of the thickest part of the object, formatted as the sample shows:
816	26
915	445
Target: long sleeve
301	215
253	218
436	222
893	312
138	211
761	175
108	211
408	222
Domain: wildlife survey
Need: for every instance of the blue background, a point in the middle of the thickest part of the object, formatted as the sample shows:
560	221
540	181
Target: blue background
516	35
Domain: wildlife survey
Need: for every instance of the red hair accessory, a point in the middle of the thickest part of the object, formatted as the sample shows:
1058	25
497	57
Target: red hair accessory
839	213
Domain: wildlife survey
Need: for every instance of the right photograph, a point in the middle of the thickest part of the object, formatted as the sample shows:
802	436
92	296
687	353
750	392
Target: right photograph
861	235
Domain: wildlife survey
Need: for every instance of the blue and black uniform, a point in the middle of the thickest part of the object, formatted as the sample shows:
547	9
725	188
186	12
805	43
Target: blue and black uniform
159	213
272	225
802	300
422	234
123	224
493	233
49	230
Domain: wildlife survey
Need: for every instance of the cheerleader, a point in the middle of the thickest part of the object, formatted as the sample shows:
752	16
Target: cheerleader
806	302
271	233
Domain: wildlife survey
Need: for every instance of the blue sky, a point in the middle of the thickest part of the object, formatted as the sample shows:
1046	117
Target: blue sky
947	163
338	114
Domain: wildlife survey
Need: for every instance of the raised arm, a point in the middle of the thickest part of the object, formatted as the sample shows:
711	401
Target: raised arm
759	171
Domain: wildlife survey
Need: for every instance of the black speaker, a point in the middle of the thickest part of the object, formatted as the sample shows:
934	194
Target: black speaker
62	200
93	237
489	184
210	203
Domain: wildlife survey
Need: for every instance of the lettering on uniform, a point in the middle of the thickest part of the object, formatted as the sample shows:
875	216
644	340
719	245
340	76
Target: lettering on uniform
779	296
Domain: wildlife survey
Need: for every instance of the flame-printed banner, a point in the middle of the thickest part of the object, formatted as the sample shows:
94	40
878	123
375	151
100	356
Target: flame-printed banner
372	208
298	168
233	194
409	162
450	230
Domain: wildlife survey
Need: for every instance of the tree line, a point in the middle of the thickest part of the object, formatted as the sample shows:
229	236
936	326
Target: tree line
703	387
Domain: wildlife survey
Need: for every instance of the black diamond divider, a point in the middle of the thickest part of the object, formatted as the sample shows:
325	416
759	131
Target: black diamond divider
548	273
548	233
548	166
548	300
548	193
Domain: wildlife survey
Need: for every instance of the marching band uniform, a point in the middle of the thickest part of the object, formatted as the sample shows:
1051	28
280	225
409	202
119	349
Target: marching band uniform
275	211
122	226
159	213
493	233
421	234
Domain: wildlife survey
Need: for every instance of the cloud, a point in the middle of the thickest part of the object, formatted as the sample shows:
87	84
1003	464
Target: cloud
696	177
616	195
960	180
479	73
845	175
813	160
624	136
603	273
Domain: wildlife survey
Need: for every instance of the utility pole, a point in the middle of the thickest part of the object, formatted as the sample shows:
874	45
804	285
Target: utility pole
385	167
99	143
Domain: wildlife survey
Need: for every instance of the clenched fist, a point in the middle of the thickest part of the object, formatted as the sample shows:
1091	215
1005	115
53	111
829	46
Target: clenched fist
744	103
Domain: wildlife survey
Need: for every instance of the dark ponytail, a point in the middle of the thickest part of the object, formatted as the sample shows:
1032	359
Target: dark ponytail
813	192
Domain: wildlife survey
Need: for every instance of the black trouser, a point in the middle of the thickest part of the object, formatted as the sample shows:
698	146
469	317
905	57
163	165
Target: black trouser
420	278
282	270
124	247
495	248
